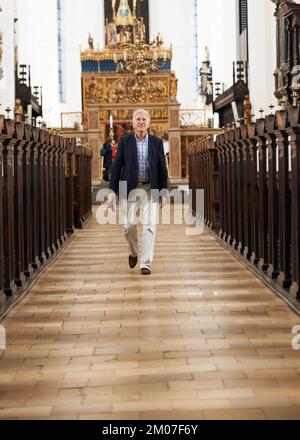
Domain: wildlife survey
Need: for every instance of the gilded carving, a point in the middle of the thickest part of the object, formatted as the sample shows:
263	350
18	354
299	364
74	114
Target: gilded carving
174	118
104	115
91	90
111	34
122	89
139	30
175	157
174	84
93	120
159	113
160	130
18	111
247	107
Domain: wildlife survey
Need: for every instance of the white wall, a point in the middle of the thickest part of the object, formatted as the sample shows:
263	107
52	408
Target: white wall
218	31
37	37
174	19
262	54
37	46
7	83
80	18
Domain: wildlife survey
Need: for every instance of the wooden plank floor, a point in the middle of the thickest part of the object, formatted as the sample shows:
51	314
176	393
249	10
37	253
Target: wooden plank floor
201	338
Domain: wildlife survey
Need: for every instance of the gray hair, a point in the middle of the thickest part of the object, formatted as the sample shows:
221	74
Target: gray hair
141	110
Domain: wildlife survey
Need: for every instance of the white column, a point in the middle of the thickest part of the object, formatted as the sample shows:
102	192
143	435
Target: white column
218	31
174	20
7	83
262	54
38	47
76	32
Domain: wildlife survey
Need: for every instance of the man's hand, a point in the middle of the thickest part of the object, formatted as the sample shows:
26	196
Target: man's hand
111	201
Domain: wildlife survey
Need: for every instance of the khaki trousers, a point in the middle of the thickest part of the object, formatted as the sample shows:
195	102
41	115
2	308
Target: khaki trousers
140	208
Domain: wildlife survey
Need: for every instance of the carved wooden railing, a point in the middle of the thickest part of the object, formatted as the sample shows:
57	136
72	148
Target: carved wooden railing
82	185
45	181
258	196
203	166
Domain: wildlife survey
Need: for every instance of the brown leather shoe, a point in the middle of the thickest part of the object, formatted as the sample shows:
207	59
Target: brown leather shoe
132	261
145	271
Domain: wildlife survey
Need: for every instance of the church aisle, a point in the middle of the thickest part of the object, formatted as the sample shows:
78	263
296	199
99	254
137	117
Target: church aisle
201	338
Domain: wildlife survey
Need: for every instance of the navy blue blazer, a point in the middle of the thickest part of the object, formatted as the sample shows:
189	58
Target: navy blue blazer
125	167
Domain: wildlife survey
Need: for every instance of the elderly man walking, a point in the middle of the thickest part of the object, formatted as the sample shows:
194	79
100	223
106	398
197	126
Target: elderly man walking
140	166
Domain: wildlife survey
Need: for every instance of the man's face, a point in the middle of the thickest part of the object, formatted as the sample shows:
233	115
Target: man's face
141	123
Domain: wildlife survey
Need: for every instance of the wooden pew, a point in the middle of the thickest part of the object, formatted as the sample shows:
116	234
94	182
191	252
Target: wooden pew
27	201
19	205
258	187
8	142
45	184
70	163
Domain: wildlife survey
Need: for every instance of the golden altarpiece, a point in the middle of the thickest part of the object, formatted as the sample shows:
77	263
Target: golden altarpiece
129	73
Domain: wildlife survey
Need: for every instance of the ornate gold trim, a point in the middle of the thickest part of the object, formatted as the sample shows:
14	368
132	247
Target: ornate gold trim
116	90
117	54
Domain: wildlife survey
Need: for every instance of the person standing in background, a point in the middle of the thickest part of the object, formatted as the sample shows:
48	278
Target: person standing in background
106	153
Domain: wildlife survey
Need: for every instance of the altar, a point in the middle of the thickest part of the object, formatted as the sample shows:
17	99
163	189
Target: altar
130	72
